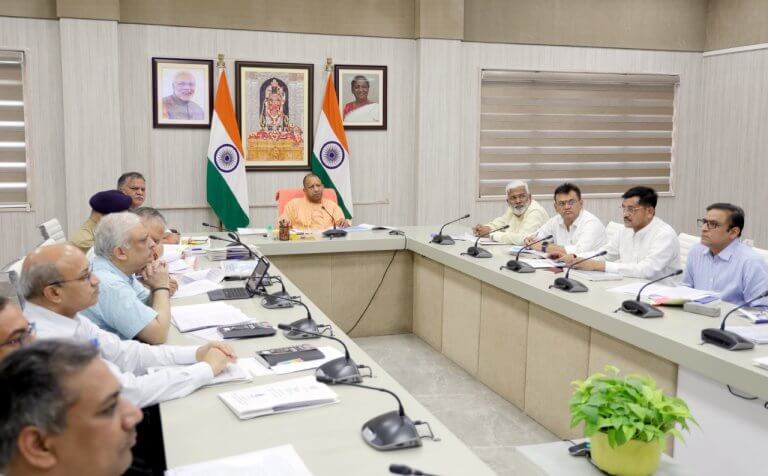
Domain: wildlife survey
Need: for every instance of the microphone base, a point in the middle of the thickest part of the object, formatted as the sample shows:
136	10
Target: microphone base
390	431
640	309
341	370
477	252
569	285
271	301
335	233
726	339
519	267
306	324
442	240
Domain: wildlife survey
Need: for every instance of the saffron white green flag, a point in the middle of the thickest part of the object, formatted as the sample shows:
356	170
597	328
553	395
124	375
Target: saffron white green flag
226	185
330	156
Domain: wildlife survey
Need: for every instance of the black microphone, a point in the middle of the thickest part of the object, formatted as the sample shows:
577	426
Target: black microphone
518	266
334	232
213	226
571	285
342	369
476	251
642	309
305	328
403	469
389	431
441	239
727	339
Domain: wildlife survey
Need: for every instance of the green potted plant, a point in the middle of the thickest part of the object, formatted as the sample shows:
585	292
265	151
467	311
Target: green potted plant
627	420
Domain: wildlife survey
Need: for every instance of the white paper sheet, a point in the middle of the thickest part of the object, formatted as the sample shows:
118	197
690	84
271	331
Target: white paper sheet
214	275
277	461
198	316
195	288
231	373
679	292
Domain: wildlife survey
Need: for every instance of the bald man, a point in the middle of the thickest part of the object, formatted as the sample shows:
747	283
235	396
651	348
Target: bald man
58	283
312	211
15	330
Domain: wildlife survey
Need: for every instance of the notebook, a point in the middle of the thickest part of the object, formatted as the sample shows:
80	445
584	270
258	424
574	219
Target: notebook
285	396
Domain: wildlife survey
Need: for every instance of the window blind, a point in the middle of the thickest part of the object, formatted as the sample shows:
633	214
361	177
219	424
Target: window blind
13	147
603	132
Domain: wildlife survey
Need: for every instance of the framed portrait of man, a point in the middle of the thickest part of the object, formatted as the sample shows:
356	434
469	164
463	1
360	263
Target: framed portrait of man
274	108
362	93
182	93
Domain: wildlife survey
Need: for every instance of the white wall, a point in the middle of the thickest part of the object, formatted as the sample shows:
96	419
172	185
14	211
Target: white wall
89	117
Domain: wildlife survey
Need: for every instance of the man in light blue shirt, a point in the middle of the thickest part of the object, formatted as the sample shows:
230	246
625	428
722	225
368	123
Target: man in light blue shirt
721	262
124	248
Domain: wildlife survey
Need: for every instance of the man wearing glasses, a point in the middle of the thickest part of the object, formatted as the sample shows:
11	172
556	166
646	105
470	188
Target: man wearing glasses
58	283
15	330
721	262
524	216
646	248
575	231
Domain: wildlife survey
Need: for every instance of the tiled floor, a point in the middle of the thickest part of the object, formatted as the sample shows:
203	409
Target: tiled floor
491	426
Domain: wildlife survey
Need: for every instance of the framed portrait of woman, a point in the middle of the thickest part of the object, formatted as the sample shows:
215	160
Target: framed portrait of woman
362	93
274	108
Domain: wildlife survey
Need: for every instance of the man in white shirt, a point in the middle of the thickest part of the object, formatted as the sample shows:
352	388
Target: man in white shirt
646	248
58	283
524	216
575	231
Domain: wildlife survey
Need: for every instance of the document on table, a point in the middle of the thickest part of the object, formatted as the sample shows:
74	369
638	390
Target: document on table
214	275
659	290
280	397
257	369
596	275
251	231
472	238
201	316
231	373
541	263
538	254
195	288
757	333
277	461
758	315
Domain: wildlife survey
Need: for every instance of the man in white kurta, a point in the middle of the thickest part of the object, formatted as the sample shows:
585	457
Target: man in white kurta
524	216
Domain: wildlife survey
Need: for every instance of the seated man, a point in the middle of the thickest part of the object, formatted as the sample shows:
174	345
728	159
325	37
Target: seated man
15	330
102	203
721	262
57	283
313	212
134	185
524	216
123	248
646	248
154	222
574	230
61	412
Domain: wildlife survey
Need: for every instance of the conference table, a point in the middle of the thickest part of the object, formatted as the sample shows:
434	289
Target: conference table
510	331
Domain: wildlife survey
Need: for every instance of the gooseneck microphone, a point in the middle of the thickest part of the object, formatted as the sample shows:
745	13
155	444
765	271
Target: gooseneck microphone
389	431
642	309
571	285
407	470
441	239
219	228
305	328
340	370
234	247
727	339
333	232
520	267
477	252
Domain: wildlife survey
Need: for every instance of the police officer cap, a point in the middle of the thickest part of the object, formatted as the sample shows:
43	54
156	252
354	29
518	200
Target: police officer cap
110	201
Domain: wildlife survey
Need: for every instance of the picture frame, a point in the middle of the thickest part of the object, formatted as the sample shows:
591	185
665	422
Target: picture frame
274	103
362	95
182	93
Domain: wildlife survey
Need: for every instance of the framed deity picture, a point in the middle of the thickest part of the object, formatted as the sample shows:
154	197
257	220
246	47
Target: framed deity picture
362	93
182	93
274	107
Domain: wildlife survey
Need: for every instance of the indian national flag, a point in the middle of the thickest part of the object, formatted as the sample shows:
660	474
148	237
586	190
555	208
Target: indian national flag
226	185
330	157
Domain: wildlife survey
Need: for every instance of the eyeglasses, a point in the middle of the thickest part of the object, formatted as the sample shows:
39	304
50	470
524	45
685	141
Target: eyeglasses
85	277
630	209
514	198
22	337
570	203
709	224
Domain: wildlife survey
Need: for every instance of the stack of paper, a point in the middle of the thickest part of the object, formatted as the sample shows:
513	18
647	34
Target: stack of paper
277	461
280	397
658	290
201	316
758	315
232	252
596	275
231	373
756	334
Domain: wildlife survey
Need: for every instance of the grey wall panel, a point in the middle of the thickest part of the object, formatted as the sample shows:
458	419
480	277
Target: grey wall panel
39	39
